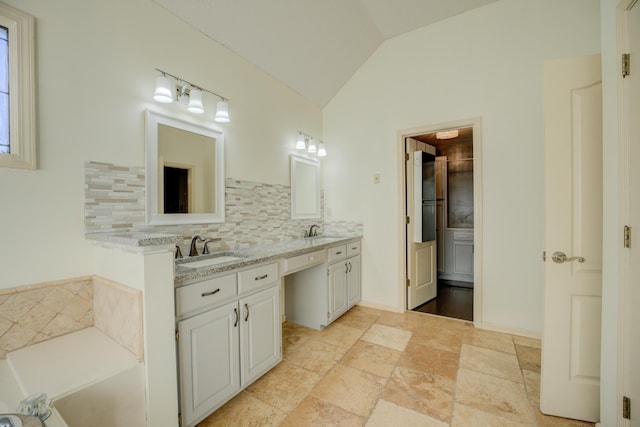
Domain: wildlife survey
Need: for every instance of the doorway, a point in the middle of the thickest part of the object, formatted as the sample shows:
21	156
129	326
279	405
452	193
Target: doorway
458	218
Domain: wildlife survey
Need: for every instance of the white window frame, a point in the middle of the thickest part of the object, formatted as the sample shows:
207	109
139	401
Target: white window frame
22	106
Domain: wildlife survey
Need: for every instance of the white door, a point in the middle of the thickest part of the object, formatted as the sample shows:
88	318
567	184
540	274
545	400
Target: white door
260	333
570	377
208	351
421	256
631	86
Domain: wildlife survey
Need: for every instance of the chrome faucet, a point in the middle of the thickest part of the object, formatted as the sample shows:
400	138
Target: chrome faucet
312	232
194	250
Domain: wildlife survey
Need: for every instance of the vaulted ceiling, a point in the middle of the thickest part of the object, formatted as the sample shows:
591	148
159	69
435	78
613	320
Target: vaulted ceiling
312	46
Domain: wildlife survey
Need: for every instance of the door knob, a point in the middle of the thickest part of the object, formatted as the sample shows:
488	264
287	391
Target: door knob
560	257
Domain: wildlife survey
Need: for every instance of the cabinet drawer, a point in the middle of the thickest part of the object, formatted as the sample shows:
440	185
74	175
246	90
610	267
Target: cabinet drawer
337	253
300	262
353	248
254	278
207	292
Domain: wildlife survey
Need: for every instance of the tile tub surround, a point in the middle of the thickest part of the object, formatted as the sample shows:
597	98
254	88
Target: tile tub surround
36	313
366	369
256	213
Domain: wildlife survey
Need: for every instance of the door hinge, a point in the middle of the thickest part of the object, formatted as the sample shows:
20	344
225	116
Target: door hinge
627	236
408	283
328	315
626	64
408	220
626	407
406	157
177	335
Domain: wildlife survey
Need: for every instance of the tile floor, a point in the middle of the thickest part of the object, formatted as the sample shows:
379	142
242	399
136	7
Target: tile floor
376	368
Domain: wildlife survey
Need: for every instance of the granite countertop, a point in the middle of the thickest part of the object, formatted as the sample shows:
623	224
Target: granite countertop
257	254
134	238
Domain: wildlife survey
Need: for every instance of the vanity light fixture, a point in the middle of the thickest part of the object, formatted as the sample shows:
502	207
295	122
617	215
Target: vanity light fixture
188	94
308	143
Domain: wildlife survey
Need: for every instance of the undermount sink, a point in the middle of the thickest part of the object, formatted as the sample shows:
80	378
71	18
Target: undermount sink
209	262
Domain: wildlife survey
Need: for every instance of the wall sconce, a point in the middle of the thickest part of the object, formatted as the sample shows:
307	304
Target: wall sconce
189	94
307	142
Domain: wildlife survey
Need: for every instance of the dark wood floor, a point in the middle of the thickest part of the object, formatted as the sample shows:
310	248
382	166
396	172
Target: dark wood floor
453	300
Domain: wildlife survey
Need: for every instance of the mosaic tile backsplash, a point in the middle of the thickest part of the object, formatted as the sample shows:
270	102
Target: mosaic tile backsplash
255	213
30	314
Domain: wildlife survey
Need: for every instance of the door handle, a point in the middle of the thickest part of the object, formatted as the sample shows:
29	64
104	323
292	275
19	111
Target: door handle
560	257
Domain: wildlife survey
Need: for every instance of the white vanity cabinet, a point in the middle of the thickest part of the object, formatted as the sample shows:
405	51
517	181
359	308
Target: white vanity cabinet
323	285
229	334
344	278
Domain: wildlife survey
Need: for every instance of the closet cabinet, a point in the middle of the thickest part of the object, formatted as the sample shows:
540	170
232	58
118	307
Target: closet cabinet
227	342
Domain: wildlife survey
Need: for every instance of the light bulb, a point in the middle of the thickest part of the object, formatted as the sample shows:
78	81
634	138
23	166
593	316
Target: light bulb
312	146
322	152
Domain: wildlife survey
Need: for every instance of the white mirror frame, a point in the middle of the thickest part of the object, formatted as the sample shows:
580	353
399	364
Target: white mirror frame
153	119
295	161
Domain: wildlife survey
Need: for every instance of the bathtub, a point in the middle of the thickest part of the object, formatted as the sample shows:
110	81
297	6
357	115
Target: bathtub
90	379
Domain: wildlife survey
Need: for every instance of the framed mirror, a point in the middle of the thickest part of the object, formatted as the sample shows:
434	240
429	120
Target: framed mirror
305	188
184	172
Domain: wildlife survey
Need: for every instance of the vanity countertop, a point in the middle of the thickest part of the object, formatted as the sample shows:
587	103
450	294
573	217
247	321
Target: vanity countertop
258	254
135	238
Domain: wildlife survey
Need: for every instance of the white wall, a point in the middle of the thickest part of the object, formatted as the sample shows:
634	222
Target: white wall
95	77
485	63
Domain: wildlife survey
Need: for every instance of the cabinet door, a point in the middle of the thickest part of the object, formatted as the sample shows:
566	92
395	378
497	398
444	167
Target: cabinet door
209	361
338	301
353	280
260	333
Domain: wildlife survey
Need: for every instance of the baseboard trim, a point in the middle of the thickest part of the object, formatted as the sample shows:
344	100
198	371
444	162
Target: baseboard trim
508	330
381	306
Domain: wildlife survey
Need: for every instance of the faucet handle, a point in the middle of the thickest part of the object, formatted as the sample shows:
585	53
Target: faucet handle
205	250
178	252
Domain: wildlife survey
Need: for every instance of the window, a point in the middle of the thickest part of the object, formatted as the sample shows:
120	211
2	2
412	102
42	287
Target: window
17	89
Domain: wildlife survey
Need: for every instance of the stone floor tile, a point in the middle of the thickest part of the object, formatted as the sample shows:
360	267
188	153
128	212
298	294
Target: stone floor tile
387	336
439	338
284	386
313	412
532	382
351	389
244	410
372	358
430	360
498	396
339	335
425	393
549	421
489	339
466	416
528	342
316	356
529	357
359	317
492	362
388	414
